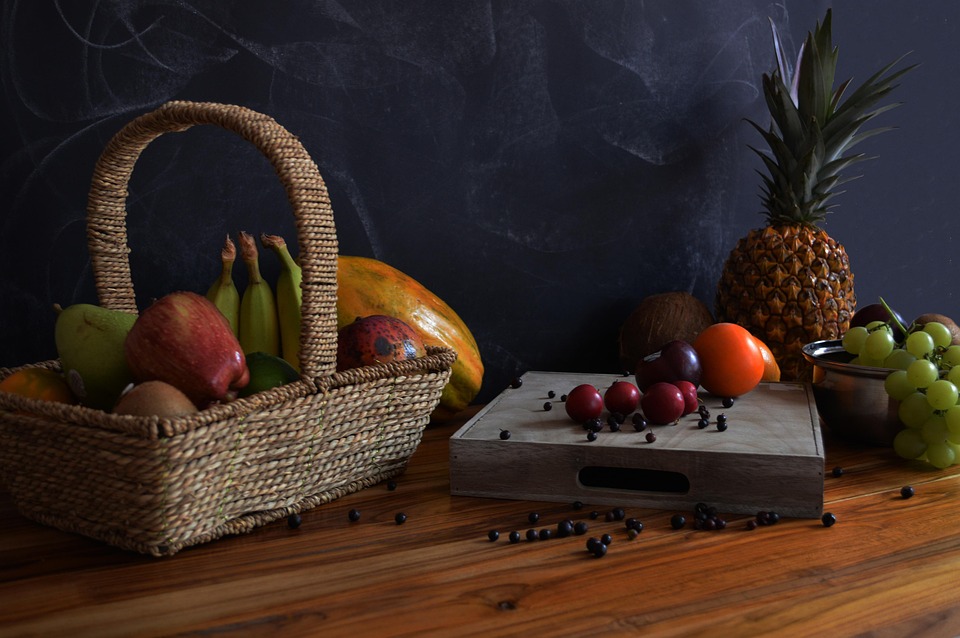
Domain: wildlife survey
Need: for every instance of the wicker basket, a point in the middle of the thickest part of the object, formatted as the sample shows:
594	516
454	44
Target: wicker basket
158	485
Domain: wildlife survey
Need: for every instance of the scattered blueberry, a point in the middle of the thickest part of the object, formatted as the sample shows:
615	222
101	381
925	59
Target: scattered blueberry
703	423
677	521
727	402
504	435
391	485
618	514
547	406
591	436
606	539
546	534
632	533
516	383
721	418
400	518
578	505
838	471
551	394
294	521
533	517
721	426
580	528
651	437
493	535
514	537
752	524
532	535
596	547
639	423
564	529
594	515
828	519
907	491
563	397
354	515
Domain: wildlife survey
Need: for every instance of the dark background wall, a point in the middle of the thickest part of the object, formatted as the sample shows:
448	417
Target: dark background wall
542	166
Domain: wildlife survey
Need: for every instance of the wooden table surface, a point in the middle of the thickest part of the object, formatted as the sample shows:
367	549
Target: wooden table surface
889	567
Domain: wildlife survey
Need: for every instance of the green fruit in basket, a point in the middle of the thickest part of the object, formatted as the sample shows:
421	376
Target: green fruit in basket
267	371
89	342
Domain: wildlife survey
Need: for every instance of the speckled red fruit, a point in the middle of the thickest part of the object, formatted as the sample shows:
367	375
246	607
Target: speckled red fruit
377	339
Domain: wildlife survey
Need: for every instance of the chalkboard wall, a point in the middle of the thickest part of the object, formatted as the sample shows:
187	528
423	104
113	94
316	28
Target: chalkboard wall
541	166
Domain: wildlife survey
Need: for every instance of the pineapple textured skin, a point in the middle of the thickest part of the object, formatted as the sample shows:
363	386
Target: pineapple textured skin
789	285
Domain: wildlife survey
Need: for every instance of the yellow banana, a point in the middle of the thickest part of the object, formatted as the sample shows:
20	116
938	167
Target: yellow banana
223	293
259	327
289	298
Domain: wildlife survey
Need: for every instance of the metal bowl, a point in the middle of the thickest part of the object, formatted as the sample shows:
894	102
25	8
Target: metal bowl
850	398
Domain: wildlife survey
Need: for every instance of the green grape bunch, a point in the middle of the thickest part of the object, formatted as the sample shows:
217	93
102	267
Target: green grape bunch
924	377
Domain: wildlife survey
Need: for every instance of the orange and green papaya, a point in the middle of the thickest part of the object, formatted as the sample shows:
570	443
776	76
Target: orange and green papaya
368	286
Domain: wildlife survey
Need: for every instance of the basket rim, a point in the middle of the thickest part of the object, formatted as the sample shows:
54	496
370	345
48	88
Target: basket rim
438	359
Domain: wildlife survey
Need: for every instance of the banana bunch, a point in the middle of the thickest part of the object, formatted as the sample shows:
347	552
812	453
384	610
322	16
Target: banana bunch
262	322
259	322
223	293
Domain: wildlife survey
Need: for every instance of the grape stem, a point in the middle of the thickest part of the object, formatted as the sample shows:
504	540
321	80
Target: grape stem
893	316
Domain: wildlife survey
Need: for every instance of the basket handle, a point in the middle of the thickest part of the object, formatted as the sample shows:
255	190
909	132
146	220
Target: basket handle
306	191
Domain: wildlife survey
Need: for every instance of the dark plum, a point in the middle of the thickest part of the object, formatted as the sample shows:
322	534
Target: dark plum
676	361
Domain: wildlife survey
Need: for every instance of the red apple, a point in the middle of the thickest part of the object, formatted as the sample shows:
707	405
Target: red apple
184	340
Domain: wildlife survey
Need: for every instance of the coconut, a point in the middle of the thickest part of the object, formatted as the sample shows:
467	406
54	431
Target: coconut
658	320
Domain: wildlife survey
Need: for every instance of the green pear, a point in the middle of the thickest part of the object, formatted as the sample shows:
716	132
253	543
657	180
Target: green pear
90	345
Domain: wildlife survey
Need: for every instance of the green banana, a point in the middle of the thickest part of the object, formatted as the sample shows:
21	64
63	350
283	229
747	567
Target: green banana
259	325
223	293
289	299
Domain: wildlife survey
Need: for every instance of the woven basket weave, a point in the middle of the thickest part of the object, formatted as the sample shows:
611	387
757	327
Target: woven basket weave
158	485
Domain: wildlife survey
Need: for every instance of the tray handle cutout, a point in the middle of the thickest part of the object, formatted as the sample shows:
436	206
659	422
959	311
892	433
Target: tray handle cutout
633	479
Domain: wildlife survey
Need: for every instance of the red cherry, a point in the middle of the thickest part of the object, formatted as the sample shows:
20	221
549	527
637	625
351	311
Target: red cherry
622	397
583	403
662	403
689	392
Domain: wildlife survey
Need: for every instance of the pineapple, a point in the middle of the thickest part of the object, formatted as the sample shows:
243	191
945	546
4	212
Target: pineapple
790	283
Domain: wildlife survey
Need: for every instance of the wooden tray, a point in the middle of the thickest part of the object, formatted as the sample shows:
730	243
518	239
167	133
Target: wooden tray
770	457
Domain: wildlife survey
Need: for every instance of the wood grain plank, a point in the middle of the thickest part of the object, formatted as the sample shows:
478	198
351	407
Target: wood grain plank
888	567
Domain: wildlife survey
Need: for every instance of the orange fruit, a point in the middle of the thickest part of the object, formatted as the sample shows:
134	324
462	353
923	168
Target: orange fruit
38	383
732	361
771	369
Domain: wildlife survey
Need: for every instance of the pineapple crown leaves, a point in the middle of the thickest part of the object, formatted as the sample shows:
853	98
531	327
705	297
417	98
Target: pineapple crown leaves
813	127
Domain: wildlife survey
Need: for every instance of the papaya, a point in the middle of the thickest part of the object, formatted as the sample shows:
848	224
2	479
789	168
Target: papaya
367	286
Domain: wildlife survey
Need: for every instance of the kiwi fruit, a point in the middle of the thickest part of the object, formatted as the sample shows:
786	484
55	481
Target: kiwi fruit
154	398
928	317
